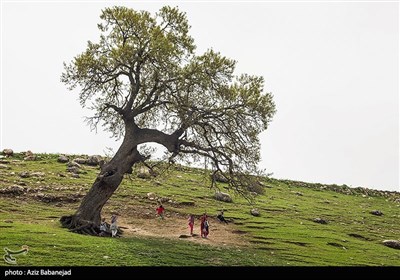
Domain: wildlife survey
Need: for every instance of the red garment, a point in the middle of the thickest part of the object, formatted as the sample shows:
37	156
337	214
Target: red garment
160	210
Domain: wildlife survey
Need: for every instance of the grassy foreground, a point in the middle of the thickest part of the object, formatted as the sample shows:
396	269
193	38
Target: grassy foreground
283	235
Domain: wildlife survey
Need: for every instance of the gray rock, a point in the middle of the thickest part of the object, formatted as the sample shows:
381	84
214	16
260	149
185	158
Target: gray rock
14	190
395	244
73	169
376	213
38	174
144	173
320	221
93	160
62	159
8	152
80	160
30	158
24	174
73	164
151	196
255	212
223	197
3	166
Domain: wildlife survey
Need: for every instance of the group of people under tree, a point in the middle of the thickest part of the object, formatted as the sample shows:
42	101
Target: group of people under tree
105	230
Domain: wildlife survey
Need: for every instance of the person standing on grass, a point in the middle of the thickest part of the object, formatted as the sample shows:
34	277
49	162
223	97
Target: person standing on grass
203	220
160	211
114	227
191	223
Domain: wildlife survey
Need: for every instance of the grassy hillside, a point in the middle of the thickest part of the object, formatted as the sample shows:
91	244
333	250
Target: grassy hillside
35	193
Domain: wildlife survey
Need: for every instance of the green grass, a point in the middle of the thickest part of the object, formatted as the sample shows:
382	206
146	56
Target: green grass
284	234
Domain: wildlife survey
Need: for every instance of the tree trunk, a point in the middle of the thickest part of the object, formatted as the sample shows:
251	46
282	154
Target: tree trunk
87	218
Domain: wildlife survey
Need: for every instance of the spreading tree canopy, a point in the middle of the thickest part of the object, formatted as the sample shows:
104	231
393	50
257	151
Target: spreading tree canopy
145	83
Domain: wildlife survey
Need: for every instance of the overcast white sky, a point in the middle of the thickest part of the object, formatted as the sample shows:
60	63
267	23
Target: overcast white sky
333	69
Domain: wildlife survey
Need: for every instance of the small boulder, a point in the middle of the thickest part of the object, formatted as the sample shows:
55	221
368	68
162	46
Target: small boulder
144	173
376	213
151	196
80	160
3	166
62	159
320	221
255	212
395	244
24	174
13	190
93	160
8	152
223	197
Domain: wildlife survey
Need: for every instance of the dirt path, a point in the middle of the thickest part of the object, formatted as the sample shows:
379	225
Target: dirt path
172	227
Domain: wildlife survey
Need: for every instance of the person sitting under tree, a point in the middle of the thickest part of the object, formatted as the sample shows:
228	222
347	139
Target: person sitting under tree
114	227
103	227
220	217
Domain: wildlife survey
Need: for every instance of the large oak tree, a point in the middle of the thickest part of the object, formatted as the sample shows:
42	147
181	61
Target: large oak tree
145	83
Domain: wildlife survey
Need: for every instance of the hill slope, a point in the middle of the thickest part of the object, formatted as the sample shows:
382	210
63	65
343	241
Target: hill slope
35	193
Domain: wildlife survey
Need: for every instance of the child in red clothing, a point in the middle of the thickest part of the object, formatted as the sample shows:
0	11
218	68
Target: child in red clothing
160	211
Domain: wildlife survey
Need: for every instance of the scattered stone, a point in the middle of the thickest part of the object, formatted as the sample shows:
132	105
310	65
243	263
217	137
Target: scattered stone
255	212
151	196
8	152
61	175
93	160
73	169
73	164
395	244
3	166
223	197
74	175
320	221
80	160
38	174
8	221
24	174
376	213
13	190
62	159
30	158
163	199
144	173
158	183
